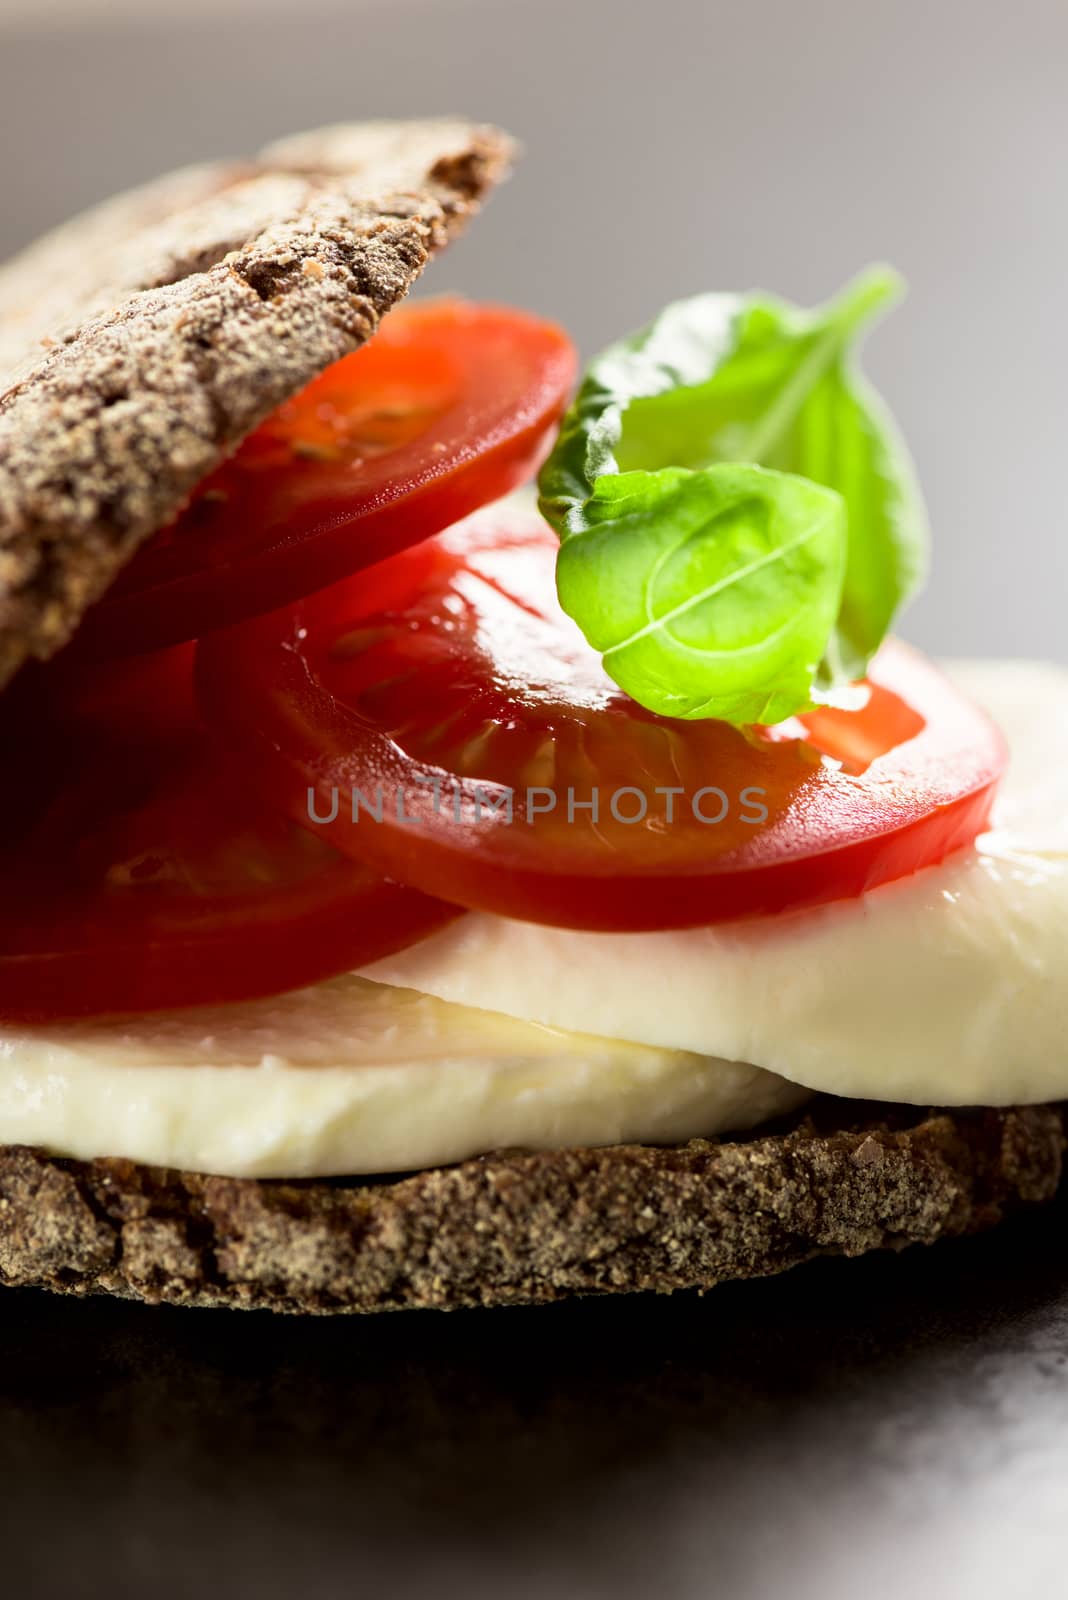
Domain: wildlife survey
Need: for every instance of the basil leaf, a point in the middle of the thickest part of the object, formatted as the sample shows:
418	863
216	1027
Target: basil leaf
709	594
735	379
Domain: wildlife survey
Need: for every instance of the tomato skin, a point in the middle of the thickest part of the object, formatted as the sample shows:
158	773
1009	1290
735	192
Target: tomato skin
454	662
468	398
139	875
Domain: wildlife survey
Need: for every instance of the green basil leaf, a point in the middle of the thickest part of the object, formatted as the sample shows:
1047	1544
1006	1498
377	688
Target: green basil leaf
709	594
745	379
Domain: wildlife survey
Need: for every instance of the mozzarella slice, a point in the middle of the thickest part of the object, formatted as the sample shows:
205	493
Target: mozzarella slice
947	987
352	1077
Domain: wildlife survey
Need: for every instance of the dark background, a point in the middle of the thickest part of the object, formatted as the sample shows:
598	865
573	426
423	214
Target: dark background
887	1427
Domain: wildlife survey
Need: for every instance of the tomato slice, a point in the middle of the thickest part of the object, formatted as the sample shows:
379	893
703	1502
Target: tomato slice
138	875
449	406
448	680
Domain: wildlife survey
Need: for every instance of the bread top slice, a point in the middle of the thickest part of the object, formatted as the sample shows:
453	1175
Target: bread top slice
141	342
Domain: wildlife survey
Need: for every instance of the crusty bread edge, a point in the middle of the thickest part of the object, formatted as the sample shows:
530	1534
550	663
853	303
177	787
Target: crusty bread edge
109	427
514	1228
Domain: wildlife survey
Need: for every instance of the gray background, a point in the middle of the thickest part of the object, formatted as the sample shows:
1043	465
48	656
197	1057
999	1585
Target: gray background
889	1428
672	146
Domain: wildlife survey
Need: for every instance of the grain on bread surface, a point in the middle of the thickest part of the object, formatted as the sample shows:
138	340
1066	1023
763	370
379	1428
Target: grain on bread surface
516	1227
140	343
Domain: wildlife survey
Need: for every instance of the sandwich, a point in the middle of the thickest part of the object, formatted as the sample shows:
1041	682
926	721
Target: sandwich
470	839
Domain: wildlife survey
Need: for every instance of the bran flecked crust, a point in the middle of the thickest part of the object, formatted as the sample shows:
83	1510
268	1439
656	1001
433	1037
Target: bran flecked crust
140	343
516	1228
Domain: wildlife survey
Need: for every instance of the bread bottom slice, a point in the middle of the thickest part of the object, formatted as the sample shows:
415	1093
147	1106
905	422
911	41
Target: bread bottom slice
518	1227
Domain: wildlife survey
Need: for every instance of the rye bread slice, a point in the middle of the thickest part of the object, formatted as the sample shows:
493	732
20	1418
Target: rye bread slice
141	342
513	1228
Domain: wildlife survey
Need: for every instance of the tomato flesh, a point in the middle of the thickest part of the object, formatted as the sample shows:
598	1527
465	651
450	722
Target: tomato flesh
449	406
140	875
397	713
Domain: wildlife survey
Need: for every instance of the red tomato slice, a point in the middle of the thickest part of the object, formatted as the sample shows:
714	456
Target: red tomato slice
449	406
449	679
138	875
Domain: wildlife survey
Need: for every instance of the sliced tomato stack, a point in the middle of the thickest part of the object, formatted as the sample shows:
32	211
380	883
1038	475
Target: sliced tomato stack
140	873
141	870
447	723
427	732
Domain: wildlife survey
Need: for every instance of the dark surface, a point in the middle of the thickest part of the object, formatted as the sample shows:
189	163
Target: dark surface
887	1426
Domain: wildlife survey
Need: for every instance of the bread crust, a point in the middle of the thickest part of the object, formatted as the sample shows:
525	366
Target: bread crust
143	341
514	1228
